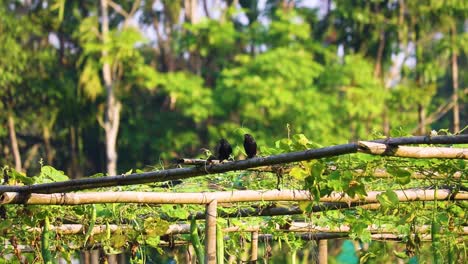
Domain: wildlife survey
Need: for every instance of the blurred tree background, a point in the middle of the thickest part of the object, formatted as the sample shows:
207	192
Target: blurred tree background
106	86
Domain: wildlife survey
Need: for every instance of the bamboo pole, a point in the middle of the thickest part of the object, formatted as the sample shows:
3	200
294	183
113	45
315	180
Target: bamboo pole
377	173
297	227
219	244
221	197
412	152
292	209
210	232
183	173
323	251
254	250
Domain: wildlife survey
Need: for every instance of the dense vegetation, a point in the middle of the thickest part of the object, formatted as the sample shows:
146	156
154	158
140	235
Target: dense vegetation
104	86
171	80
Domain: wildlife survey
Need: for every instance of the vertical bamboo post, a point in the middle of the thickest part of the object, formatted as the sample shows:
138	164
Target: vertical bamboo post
323	251
254	253
210	232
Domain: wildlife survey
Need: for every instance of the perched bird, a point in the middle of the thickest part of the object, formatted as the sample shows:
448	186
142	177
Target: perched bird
223	150
250	146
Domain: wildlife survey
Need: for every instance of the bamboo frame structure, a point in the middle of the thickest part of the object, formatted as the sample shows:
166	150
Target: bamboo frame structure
54	193
221	197
183	173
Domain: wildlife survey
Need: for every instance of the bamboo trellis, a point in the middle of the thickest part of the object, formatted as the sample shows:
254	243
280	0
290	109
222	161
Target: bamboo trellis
390	145
55	193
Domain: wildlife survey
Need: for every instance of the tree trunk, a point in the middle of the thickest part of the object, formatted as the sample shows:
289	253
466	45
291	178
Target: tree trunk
74	170
112	115
419	81
14	142
421	119
456	110
191	10
48	147
378	63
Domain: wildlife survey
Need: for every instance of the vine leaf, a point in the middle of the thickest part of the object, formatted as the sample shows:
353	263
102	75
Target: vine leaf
50	174
388	199
403	177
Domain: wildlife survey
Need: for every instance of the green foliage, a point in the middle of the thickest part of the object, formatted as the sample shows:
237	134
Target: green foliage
292	76
288	29
187	93
271	89
211	36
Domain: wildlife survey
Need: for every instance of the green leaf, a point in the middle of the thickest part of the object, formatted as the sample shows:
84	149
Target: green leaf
401	255
153	241
20	176
388	199
306	206
155	226
298	173
317	169
50	174
402	176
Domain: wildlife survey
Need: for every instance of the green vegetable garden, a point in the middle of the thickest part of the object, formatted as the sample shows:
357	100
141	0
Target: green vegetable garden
275	131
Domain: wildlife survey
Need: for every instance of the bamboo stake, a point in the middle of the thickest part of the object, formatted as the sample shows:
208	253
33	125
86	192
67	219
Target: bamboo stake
323	251
210	232
183	173
219	244
254	251
412	152
221	197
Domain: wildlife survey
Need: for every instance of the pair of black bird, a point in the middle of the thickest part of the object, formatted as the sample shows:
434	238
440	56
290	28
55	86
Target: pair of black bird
224	149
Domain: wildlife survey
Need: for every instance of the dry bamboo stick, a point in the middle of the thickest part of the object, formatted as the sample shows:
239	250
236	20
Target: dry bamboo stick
254	249
412	152
296	227
210	232
221	197
323	251
308	227
291	209
71	229
320	236
183	173
377	173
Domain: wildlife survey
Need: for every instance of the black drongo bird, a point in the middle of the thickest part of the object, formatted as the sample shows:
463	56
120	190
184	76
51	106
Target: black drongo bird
223	150
250	146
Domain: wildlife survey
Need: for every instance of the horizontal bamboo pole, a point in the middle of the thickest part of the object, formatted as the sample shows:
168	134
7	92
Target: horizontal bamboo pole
72	229
183	173
297	227
221	197
373	229
377	173
375	237
412	152
278	210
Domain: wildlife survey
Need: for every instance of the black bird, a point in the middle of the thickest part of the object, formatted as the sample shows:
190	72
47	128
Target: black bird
250	146
223	150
